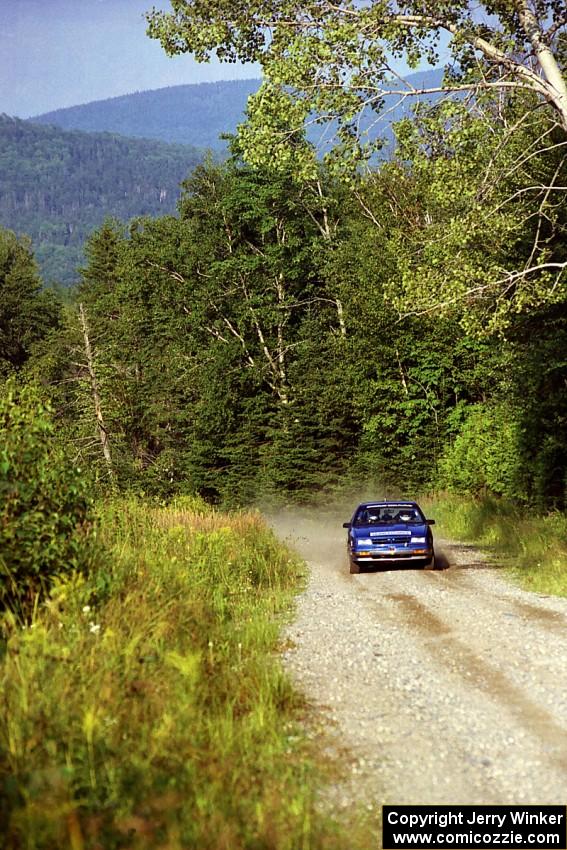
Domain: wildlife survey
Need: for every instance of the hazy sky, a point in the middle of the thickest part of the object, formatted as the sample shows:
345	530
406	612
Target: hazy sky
56	53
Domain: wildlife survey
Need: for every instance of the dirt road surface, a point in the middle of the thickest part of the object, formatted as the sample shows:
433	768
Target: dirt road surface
446	686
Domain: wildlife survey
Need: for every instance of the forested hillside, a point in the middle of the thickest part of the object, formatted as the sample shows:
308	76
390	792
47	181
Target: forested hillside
189	114
58	186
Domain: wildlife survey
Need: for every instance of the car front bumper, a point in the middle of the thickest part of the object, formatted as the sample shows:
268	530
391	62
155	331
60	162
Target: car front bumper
391	555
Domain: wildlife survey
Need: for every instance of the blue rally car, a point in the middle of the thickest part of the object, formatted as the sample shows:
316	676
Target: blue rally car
394	532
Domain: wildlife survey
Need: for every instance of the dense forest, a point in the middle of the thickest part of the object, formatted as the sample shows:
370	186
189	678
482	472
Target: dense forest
277	336
58	186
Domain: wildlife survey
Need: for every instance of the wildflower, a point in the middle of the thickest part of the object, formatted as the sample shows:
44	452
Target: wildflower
86	609
94	628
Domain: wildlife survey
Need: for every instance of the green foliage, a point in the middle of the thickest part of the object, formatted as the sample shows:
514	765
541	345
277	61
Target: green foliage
45	516
486	454
26	313
102	252
487	232
330	63
208	332
161	716
535	385
532	547
283	331
334	59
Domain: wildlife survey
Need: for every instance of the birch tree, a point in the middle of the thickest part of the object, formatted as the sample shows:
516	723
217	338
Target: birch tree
335	58
333	62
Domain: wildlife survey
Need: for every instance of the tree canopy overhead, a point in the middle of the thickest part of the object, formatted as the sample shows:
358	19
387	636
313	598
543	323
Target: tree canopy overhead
332	58
332	62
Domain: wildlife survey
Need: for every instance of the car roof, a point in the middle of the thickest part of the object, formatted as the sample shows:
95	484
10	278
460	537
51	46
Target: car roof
393	503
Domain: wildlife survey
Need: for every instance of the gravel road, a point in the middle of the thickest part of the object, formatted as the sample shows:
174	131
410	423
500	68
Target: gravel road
446	686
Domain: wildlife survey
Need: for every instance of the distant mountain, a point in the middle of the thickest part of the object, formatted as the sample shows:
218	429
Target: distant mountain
197	114
58	186
192	114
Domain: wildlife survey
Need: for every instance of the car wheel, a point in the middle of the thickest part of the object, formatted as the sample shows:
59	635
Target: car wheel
354	567
431	565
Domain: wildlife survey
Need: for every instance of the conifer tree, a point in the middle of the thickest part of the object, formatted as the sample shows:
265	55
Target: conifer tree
27	313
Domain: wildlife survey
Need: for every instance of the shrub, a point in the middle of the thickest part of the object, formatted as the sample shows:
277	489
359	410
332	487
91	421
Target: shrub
44	502
485	455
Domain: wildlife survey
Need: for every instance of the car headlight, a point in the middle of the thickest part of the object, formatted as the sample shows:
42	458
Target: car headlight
365	542
418	539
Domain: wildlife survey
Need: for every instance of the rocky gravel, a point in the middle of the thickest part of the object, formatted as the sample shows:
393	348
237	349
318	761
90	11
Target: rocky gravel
445	686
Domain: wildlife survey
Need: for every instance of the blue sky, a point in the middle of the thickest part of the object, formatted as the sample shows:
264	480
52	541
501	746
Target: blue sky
56	53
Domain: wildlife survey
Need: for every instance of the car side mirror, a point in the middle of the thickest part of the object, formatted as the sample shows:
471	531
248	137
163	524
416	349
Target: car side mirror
346	524
430	521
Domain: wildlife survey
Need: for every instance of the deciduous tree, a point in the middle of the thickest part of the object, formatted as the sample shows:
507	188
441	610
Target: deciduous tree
334	59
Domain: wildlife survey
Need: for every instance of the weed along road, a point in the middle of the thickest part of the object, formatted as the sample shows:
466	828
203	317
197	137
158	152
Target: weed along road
446	686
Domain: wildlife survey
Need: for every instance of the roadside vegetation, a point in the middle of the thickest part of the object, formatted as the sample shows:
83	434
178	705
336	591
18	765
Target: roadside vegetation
534	548
142	699
145	706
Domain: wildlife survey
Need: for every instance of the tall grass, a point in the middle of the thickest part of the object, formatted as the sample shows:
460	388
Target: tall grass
146	707
534	547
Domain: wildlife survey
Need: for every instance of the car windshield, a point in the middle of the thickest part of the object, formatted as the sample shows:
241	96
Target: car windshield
375	514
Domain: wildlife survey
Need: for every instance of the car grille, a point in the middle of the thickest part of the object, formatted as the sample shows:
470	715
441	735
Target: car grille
393	540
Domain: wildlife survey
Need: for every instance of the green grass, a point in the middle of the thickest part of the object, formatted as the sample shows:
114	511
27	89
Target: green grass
534	548
146	706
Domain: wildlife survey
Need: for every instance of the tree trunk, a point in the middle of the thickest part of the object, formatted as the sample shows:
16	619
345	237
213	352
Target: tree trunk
547	62
100	426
